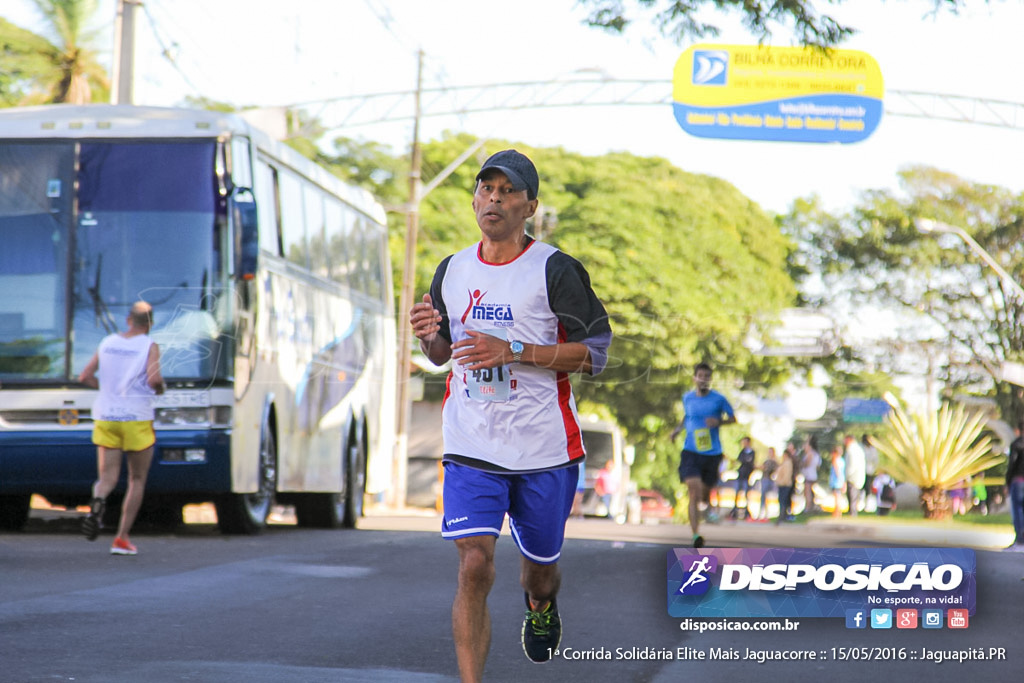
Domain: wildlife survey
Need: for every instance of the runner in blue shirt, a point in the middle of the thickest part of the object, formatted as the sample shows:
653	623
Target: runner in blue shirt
705	410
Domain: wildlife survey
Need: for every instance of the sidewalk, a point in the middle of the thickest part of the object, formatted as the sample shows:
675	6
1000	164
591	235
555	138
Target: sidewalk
817	532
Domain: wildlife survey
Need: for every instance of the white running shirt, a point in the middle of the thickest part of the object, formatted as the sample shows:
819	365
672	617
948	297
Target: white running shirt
124	395
518	417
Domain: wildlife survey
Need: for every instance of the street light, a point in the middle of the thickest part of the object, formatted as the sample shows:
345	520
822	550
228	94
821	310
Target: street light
929	226
1008	371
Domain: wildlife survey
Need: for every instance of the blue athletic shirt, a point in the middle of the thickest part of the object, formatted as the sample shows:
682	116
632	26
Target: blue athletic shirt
699	437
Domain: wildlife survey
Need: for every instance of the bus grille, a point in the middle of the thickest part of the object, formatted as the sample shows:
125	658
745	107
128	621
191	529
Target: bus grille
44	418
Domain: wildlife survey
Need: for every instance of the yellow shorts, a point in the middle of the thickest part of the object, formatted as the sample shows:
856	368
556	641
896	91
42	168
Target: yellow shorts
124	436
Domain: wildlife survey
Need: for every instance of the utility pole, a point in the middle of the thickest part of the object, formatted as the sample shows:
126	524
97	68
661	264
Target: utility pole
400	461
124	52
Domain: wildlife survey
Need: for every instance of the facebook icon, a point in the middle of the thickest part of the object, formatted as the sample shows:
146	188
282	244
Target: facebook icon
856	618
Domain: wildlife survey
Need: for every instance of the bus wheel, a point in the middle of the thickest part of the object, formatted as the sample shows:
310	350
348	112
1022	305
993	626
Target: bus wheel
162	513
319	510
14	512
355	475
246	513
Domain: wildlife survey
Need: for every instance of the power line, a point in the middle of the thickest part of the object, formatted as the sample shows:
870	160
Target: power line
166	50
351	111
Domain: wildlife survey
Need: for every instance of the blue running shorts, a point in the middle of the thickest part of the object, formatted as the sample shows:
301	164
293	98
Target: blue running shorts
537	504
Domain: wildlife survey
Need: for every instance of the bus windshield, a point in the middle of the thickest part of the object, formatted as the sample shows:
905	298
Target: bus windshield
138	220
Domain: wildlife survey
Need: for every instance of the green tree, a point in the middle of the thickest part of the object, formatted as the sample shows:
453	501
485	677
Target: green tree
23	62
681	20
874	256
64	69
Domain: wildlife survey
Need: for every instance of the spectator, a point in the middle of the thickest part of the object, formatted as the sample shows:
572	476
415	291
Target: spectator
784	479
745	459
1015	487
768	469
809	470
870	468
885	493
837	481
855	468
606	485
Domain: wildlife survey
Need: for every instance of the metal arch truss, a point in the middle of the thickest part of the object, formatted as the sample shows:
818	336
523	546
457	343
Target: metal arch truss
353	111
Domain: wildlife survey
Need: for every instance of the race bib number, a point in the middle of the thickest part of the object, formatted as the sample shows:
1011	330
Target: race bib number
490	384
702	439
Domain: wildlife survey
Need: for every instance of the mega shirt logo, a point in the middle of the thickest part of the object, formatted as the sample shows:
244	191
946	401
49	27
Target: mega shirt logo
497	315
807	582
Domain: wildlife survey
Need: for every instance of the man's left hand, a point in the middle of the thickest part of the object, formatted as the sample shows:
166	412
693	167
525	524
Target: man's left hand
480	351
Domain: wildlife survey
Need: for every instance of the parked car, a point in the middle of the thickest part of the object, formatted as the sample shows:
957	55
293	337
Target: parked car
654	507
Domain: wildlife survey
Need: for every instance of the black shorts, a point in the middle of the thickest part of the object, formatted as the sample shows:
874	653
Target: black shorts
696	465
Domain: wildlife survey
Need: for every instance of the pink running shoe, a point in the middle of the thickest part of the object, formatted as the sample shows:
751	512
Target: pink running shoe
123	547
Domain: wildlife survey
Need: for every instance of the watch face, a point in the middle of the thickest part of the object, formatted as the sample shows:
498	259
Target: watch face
517	347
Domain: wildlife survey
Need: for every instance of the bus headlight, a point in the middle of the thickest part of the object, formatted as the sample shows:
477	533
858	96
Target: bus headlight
182	416
195	456
214	416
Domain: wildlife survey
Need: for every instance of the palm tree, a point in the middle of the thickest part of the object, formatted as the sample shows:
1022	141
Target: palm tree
934	451
75	75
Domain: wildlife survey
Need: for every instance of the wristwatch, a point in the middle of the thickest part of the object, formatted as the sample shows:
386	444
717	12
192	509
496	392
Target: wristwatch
517	350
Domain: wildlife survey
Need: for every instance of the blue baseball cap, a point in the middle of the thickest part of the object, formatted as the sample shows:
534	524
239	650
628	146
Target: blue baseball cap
517	167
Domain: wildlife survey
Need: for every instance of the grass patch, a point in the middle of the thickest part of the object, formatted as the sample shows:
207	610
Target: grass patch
995	522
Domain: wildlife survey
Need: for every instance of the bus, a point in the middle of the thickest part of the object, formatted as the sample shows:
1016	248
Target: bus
270	281
604	443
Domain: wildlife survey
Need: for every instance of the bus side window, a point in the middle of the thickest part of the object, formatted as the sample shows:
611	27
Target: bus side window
293	220
240	162
269	203
334	221
318	256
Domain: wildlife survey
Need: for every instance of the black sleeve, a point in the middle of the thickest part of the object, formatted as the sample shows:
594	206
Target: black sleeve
438	300
573	300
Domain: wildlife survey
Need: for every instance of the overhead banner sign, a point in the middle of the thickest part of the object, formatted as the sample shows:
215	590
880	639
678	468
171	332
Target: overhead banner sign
784	94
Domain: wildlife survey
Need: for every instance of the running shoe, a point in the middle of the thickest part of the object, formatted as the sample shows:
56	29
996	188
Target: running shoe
93	522
542	631
123	547
698	541
712	518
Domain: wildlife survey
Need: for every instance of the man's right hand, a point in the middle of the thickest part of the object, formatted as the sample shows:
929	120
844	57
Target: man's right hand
425	320
426	323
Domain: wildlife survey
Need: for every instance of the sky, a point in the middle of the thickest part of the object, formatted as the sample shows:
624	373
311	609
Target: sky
271	53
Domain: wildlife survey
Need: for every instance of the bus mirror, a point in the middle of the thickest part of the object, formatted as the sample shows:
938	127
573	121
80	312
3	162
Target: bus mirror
630	453
244	208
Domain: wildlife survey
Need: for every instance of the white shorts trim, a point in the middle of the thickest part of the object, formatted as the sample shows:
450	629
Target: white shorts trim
477	531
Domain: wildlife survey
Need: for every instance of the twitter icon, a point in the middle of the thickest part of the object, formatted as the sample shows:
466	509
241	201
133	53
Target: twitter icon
881	618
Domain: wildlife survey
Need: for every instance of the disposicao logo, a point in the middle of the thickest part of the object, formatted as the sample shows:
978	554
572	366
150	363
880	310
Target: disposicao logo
697	579
825	582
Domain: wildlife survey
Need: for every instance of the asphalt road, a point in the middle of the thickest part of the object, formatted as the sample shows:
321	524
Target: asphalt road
304	606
